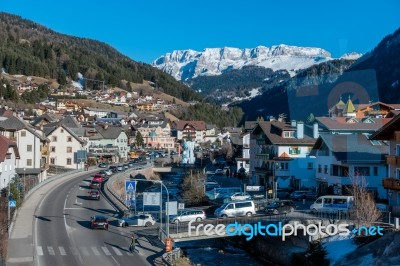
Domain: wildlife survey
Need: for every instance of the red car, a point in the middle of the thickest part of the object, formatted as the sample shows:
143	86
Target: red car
98	178
94	194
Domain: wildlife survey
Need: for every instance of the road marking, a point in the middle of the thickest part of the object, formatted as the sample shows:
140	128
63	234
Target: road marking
75	208
116	262
77	203
117	251
51	251
62	251
39	251
85	251
95	251
106	251
129	253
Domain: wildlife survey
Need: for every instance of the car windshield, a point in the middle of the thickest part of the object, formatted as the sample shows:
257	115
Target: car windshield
101	220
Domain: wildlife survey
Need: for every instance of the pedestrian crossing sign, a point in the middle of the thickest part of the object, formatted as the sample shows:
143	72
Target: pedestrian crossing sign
130	186
12	203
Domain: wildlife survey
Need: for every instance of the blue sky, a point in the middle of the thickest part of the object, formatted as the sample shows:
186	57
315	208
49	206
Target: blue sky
144	30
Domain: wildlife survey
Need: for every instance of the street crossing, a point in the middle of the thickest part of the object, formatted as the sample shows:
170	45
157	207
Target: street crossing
85	251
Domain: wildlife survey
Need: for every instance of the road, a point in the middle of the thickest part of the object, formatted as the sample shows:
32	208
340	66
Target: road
62	233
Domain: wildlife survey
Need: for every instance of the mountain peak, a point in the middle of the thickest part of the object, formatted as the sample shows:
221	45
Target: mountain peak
186	64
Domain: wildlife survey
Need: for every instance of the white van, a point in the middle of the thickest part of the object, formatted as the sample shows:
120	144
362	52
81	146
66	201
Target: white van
332	204
238	208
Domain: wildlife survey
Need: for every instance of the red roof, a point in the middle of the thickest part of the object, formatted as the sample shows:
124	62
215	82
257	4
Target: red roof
5	144
343	123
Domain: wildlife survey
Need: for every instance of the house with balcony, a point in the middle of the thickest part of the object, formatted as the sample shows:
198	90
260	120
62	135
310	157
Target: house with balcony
107	143
33	161
342	159
390	134
279	155
244	160
190	130
8	155
156	132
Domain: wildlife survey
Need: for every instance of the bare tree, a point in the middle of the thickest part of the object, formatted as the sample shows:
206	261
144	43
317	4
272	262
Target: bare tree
193	191
365	210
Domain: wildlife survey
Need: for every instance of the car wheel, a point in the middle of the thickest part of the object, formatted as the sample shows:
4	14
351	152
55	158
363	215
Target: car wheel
198	219
176	221
124	224
224	216
148	224
106	227
314	211
249	214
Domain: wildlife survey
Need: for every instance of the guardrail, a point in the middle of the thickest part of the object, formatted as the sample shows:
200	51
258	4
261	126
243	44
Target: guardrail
169	257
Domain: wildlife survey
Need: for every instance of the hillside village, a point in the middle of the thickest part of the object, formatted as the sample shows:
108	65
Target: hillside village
321	155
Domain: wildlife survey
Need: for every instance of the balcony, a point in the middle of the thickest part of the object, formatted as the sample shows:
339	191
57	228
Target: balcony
393	160
264	156
391	183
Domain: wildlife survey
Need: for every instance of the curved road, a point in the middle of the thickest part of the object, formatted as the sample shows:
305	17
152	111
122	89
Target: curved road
62	235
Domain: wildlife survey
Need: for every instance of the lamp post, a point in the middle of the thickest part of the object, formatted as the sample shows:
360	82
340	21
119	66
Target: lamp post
24	181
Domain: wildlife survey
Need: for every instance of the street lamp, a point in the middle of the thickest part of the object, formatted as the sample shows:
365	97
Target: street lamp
24	181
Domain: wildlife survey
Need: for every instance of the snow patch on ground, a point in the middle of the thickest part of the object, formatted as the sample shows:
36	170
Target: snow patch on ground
77	85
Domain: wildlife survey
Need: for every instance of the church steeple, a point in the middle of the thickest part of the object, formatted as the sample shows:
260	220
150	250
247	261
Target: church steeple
349	106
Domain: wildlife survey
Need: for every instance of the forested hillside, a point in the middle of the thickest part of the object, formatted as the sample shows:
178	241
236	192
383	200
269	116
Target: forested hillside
30	49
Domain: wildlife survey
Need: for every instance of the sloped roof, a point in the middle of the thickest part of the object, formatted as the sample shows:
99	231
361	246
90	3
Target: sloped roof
5	144
349	106
249	125
198	125
341	123
49	130
352	148
386	132
273	130
109	132
15	124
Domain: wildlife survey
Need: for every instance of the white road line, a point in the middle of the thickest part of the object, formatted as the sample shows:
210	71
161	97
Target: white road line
95	251
51	251
74	208
106	251
117	251
39	251
84	251
116	262
129	253
62	251
77	203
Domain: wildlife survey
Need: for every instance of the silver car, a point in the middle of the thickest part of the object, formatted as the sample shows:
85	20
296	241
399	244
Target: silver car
137	220
188	215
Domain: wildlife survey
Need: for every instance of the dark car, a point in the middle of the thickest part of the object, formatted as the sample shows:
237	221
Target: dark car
99	222
94	184
113	168
311	195
94	194
298	195
277	207
102	173
103	165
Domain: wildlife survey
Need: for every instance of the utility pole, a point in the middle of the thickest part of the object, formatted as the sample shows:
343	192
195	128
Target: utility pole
8	207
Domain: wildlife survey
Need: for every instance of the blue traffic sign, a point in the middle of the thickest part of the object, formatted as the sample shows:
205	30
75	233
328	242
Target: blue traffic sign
12	203
130	186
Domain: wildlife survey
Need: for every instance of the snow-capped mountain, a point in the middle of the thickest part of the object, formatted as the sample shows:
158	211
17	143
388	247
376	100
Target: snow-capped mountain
186	64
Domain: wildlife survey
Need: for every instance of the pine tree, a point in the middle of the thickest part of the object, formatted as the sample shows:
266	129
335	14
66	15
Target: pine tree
139	139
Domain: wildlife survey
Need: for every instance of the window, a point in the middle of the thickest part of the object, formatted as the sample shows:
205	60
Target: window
53	149
375	170
69	161
361	171
310	166
288	134
29	162
52	161
23	133
54	138
62	130
28	147
294	151
325	169
319	168
69	139
69	149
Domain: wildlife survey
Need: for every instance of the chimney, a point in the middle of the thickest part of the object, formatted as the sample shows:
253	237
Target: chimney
293	123
315	131
300	130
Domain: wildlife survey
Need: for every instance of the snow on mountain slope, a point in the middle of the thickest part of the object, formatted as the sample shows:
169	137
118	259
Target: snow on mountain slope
185	64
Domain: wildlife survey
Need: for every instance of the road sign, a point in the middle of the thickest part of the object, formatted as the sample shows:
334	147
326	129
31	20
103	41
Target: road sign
151	198
181	206
130	186
12	203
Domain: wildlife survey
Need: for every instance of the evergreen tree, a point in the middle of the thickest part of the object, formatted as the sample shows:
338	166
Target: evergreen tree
139	139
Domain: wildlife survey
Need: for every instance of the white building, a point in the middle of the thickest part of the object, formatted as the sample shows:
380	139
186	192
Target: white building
8	155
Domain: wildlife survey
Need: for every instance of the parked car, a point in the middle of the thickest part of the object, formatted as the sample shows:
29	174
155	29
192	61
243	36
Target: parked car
298	195
311	195
113	168
130	164
282	193
188	215
120	168
109	172
94	194
137	220
237	208
282	206
240	196
126	166
103	165
99	222
98	177
102	173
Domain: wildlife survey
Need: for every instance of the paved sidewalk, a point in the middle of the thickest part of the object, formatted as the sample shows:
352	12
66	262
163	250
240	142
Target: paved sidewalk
20	243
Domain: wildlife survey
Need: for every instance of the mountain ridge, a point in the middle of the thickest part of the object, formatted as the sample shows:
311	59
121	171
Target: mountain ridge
188	64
